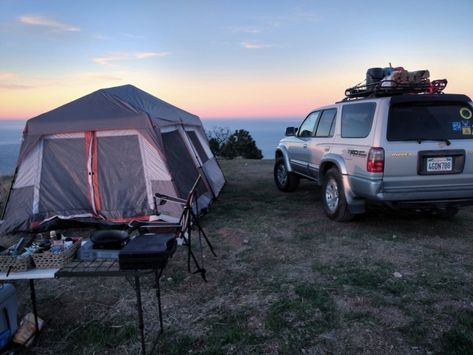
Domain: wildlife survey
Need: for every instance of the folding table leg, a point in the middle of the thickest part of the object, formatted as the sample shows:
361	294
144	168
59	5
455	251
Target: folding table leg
33	301
158	296
140	313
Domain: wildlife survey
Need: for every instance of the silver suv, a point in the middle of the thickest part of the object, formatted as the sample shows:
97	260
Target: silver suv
409	150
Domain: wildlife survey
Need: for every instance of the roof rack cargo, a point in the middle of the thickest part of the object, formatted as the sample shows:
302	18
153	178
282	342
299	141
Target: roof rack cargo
394	81
395	88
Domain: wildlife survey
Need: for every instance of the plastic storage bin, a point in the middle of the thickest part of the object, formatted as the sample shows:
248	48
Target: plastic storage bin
8	313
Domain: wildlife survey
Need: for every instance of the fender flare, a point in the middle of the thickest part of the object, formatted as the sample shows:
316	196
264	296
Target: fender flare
281	150
355	205
332	159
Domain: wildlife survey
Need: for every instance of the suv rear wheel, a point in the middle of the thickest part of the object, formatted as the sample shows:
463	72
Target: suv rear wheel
285	180
333	197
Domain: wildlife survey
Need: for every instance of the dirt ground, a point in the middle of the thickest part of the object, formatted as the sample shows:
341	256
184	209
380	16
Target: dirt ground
286	280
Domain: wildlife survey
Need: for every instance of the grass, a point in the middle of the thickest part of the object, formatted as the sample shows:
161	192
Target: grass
286	280
296	321
97	336
232	331
459	339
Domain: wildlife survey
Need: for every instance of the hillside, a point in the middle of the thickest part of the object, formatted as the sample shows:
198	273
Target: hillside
286	280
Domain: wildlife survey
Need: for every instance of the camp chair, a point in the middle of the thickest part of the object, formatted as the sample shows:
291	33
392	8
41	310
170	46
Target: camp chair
188	222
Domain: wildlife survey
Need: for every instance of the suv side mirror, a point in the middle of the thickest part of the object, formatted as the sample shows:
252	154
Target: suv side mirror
291	131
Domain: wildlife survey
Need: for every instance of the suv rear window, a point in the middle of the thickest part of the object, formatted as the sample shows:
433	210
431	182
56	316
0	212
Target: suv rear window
429	121
357	119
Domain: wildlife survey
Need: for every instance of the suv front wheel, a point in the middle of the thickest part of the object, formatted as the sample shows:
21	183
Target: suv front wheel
333	197
285	180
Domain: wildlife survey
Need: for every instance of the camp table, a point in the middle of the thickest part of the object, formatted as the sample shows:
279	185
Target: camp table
31	275
96	268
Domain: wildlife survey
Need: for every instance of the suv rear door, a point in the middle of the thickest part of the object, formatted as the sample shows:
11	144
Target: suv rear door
428	144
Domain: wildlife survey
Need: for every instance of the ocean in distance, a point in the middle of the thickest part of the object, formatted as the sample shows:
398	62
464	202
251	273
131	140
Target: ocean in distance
266	133
10	140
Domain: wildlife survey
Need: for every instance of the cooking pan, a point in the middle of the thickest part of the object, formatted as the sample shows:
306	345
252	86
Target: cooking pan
109	239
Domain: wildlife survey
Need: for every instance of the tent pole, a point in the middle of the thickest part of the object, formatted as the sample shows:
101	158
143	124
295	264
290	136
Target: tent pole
9	193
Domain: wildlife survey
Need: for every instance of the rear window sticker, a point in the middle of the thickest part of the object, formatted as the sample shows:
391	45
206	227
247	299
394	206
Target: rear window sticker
465	112
466	130
456	126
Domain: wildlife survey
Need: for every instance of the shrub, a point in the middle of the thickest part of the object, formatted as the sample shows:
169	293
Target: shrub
230	146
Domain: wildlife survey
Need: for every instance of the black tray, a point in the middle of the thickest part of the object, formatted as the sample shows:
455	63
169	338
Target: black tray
147	251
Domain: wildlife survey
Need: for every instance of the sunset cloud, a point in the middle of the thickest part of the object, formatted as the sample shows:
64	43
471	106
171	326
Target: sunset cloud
8	81
255	45
145	55
7	76
48	22
102	37
99	77
133	36
14	86
128	56
244	29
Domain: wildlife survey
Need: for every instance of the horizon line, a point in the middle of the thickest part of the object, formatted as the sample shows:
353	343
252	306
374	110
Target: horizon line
212	118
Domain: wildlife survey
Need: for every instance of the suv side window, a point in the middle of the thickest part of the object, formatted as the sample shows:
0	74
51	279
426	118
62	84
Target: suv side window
326	124
308	126
357	119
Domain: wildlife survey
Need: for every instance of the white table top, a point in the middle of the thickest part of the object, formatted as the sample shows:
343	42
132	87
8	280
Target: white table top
30	274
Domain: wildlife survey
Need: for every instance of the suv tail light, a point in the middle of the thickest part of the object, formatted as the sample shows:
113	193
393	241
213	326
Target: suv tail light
375	162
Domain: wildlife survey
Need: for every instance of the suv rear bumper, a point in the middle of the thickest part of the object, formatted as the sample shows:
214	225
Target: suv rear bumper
458	194
423	204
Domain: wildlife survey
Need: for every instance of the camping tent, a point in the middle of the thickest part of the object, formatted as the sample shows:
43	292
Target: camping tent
102	157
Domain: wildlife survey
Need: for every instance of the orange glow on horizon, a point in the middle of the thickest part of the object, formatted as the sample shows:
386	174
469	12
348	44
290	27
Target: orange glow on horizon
264	96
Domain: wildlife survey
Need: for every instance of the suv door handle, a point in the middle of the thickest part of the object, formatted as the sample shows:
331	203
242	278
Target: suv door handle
305	146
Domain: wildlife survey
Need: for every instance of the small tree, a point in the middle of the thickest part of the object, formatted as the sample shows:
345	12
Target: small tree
245	145
229	150
214	146
230	146
218	136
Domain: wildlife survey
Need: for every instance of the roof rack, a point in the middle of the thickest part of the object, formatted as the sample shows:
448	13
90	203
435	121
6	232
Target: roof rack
391	87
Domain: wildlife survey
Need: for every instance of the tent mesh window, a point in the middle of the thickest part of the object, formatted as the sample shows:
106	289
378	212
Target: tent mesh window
180	163
63	185
198	146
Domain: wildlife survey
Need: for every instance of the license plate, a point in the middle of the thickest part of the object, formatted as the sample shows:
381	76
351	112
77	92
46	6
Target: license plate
439	164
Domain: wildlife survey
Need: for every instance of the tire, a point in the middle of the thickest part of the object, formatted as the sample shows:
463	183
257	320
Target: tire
285	180
333	197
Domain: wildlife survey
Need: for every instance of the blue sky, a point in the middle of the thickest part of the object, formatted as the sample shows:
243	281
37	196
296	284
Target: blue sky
224	58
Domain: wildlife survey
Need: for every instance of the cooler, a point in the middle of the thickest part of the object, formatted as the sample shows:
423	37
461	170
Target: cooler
8	313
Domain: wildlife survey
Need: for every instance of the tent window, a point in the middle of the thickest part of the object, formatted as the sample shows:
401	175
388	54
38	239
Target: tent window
198	146
63	187
183	169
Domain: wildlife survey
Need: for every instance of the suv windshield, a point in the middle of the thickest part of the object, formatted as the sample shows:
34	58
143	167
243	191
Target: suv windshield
429	121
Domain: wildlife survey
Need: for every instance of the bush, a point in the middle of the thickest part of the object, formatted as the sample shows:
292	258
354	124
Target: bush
238	144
